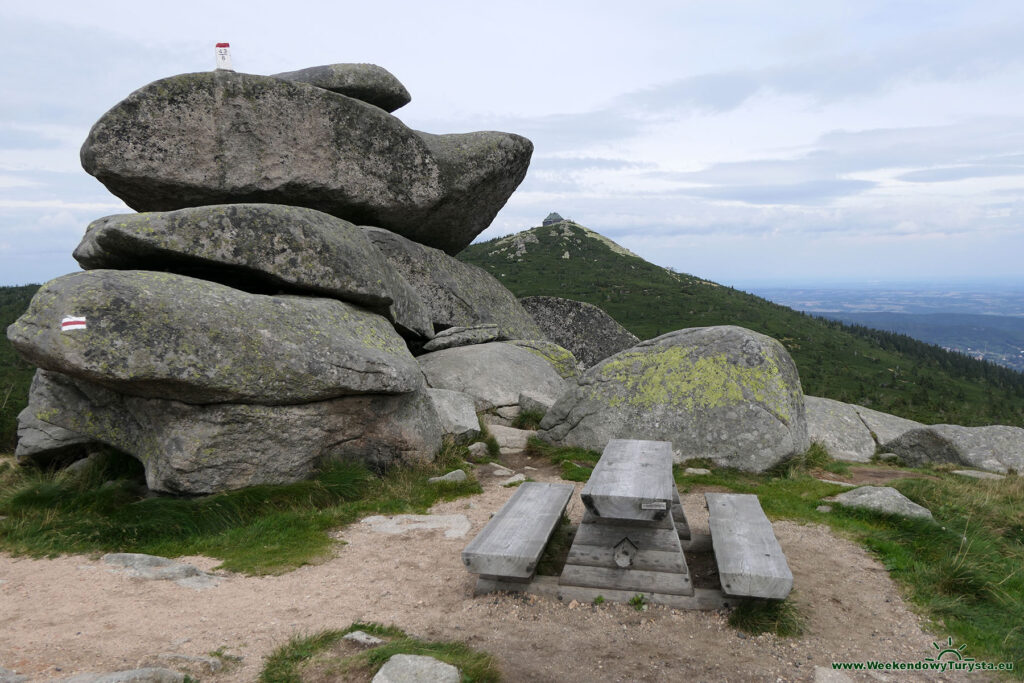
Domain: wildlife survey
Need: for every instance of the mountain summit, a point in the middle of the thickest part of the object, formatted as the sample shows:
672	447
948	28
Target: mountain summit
887	372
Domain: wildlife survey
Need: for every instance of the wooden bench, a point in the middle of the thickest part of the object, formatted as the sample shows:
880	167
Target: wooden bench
510	546
750	560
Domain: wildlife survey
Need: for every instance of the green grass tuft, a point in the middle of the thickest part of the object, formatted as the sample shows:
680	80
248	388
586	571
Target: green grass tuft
781	617
285	665
528	419
257	530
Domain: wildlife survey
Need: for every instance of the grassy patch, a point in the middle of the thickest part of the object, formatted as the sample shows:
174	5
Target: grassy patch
286	664
257	530
576	463
781	617
965	570
528	419
557	549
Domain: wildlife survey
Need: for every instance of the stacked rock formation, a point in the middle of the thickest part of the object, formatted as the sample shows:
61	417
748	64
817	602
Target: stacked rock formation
244	329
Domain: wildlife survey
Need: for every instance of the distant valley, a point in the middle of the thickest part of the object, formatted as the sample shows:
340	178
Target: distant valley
984	325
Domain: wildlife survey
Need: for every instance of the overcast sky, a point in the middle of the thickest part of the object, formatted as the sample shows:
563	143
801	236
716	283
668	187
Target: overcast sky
745	142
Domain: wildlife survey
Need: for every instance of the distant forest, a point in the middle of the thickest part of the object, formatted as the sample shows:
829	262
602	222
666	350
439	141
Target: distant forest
890	372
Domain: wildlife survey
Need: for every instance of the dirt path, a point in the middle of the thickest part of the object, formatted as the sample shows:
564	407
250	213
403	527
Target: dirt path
73	614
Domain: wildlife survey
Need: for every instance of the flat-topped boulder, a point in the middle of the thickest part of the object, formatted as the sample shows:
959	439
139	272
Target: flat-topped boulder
199	449
169	336
223	137
258	247
995	448
494	374
883	499
463	336
457	294
584	329
365	82
724	393
839	427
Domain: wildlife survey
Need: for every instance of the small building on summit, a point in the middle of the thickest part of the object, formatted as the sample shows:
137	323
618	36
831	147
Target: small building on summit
552	219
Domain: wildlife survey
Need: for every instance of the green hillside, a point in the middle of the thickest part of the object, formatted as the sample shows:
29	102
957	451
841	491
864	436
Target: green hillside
888	372
15	374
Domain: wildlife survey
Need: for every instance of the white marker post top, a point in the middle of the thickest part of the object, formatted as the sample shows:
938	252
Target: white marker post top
223	52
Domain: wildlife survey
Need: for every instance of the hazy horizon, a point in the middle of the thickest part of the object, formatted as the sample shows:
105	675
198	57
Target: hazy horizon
841	141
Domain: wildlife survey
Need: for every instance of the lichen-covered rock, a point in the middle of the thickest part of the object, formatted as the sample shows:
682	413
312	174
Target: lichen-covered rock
366	82
42	443
258	247
169	336
223	137
996	448
723	393
839	428
584	329
494	374
883	499
561	359
198	449
457	294
462	336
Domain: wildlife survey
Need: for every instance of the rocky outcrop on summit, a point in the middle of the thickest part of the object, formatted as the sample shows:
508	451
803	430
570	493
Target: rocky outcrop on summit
169	336
588	332
197	449
457	294
839	427
366	82
226	137
724	393
884	499
494	374
258	247
997	448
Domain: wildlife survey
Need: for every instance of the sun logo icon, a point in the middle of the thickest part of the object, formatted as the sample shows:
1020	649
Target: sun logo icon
954	652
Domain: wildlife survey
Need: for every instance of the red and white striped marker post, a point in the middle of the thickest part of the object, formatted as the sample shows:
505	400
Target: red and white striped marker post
223	52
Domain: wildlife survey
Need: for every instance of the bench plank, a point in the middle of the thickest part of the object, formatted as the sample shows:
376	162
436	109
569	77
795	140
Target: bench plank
632	480
626	580
645	560
606	534
750	561
512	542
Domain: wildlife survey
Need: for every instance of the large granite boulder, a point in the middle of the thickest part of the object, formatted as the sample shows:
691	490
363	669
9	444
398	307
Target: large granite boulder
196	449
494	374
997	448
839	428
561	359
883	426
366	82
724	393
588	332
457	294
224	137
259	247
457	412
170	336
42	443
